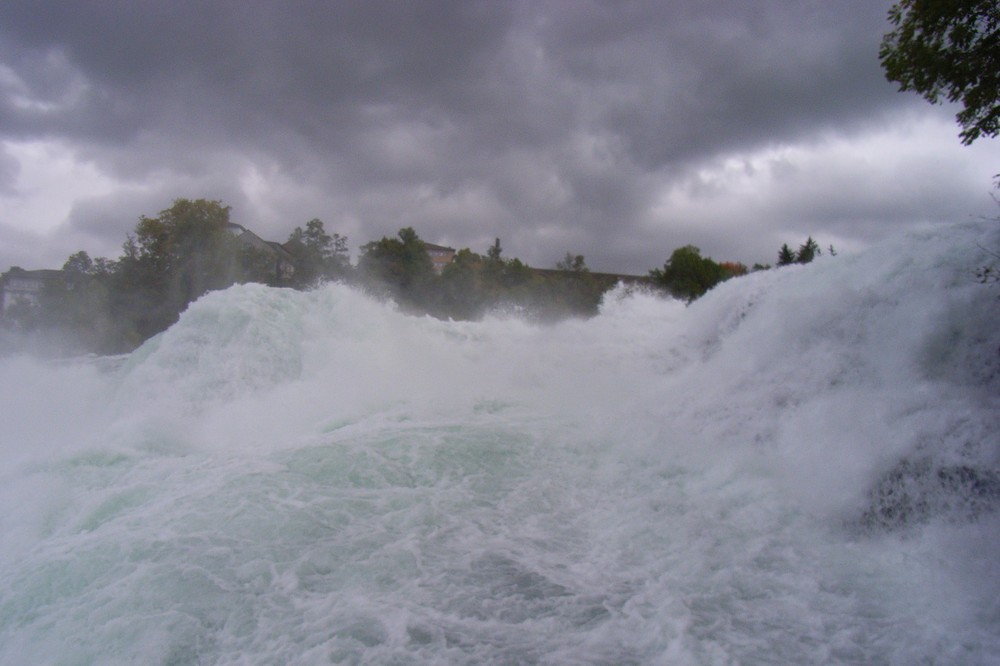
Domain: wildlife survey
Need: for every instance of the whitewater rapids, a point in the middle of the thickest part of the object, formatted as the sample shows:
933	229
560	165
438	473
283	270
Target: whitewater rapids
799	468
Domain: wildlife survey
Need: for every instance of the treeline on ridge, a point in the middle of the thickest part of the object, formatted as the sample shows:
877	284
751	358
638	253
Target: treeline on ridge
168	261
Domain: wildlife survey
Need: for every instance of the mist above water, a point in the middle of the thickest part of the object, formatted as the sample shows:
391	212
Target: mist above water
800	467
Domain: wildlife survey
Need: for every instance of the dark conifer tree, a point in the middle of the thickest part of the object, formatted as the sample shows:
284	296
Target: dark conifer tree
807	251
785	256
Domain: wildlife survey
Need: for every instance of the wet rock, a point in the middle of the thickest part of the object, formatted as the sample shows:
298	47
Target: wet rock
913	492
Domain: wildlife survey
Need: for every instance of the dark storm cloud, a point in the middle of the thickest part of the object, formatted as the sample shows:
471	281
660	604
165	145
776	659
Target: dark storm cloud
682	80
227	70
555	125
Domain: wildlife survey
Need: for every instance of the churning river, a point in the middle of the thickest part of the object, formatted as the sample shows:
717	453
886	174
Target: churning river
799	468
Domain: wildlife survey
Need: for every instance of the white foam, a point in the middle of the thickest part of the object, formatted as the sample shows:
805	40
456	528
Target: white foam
288	477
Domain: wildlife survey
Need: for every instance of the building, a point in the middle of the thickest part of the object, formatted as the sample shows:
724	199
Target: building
440	256
284	262
19	286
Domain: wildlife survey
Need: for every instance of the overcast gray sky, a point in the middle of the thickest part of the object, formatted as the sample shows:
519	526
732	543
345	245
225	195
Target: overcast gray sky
617	130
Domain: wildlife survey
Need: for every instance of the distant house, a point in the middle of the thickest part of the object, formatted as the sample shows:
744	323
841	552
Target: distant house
284	262
19	286
440	256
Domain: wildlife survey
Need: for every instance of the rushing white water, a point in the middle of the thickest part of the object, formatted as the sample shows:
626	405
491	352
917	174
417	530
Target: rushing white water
801	467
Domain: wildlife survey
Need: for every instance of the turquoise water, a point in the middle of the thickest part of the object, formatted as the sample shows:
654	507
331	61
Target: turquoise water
798	468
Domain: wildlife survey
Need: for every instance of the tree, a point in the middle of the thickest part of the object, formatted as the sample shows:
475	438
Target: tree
807	251
318	255
515	273
785	256
80	305
573	290
175	258
493	268
500	275
70	311
949	49
78	264
687	274
494	252
461	293
401	264
190	243
574	264
731	269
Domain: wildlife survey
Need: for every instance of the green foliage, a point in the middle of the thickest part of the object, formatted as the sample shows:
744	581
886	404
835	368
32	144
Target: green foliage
473	285
80	304
807	251
191	247
731	269
176	257
78	265
460	293
167	262
687	274
949	49
502	278
573	263
71	312
188	247
785	255
318	256
514	273
399	264
494	252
